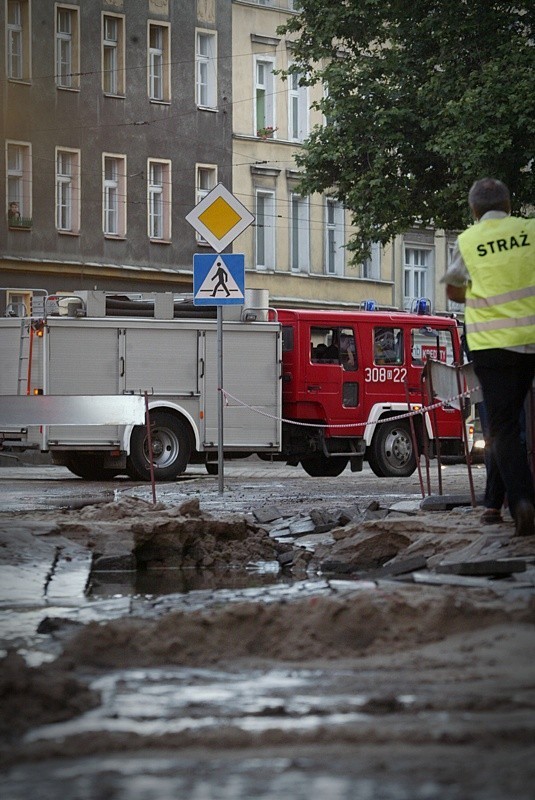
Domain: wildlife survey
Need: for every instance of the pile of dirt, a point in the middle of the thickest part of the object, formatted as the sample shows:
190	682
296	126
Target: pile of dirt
32	696
379	620
131	533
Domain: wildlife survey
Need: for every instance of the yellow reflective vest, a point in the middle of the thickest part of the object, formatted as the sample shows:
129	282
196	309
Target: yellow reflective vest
500	299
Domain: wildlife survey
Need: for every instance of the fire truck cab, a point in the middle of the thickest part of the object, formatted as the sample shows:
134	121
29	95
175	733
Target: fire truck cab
348	376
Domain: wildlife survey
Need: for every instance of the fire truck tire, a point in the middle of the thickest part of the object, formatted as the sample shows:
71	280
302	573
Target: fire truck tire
171	448
89	466
322	467
391	453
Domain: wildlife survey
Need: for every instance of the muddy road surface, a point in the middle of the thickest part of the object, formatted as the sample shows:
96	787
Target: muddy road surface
289	637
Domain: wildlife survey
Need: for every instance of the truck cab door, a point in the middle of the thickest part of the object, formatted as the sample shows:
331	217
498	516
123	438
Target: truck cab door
332	376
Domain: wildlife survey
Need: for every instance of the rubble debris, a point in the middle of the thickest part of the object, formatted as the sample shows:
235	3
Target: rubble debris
362	550
399	567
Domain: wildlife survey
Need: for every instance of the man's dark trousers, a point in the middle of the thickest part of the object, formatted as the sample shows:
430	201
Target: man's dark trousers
505	377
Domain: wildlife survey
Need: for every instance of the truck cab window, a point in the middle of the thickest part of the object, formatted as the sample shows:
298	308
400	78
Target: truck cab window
333	346
323	346
388	345
287	338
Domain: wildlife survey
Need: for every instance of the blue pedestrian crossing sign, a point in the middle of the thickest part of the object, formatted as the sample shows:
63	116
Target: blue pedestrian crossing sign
219	280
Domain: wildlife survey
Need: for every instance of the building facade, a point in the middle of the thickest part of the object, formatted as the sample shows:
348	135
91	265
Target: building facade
296	247
113	113
118	116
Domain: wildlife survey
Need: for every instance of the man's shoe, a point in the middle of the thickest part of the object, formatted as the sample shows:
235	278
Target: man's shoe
491	516
524	518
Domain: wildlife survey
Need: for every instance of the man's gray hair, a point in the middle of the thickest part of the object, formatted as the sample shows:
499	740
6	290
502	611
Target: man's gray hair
489	194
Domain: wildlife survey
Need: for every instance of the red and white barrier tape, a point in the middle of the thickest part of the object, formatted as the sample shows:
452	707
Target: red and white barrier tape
406	415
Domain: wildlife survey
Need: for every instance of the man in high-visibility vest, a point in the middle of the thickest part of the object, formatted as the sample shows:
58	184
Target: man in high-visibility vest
493	272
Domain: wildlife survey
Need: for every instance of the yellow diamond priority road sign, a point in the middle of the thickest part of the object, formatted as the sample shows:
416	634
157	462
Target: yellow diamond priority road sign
219	218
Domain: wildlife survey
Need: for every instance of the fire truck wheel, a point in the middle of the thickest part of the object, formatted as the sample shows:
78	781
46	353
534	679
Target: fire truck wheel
89	466
171	448
391	454
323	467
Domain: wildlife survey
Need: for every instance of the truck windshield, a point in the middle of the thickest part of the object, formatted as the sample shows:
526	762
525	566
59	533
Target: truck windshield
431	343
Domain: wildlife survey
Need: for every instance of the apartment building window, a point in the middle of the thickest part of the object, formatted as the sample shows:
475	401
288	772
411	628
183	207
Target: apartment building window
371	267
19	184
18	304
205	181
159	63
264	97
334	237
113	54
299	234
265	229
206	69
114	195
18	40
67	47
297	108
67	190
415	274
159	200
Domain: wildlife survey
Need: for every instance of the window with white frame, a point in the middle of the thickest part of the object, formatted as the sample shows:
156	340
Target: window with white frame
371	266
67	47
67	190
113	54
18	40
416	269
159	200
159	62
114	195
265	229
206	69
299	234
19	184
205	181
264	98
334	237
297	108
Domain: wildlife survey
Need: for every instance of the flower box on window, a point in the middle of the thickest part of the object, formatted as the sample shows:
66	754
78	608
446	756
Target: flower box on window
267	132
20	222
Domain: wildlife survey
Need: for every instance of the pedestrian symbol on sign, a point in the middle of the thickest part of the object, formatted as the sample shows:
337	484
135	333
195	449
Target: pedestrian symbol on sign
218	280
222	278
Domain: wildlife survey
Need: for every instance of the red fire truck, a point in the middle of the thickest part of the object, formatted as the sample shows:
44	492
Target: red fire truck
350	374
323	389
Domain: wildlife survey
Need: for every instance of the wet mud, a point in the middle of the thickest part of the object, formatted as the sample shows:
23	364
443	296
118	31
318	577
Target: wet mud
354	652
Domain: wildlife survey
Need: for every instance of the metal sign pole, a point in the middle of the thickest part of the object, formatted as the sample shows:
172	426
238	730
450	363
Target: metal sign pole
221	399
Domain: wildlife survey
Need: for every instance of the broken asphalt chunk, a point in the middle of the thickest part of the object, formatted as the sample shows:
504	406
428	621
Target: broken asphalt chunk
505	566
267	514
302	526
445	502
401	567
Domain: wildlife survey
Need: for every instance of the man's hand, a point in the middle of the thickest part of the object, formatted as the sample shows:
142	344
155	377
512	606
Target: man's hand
456	293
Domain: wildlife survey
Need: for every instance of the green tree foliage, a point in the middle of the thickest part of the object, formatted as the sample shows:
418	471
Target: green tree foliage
422	98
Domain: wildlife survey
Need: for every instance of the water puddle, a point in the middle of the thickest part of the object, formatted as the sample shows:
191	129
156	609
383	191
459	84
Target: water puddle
157	583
